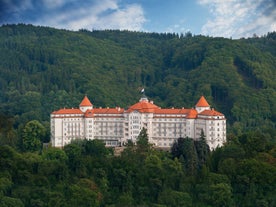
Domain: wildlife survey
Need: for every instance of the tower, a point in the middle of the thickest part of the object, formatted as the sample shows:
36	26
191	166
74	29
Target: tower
85	104
202	105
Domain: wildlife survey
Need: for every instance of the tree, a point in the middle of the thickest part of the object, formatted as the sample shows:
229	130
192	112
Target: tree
10	202
5	185
54	164
253	142
52	153
221	195
125	200
143	141
154	174
95	148
33	133
84	193
74	152
185	147
177	148
203	150
173	198
7	133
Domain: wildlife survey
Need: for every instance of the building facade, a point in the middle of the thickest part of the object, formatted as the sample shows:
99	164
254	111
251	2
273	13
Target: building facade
115	126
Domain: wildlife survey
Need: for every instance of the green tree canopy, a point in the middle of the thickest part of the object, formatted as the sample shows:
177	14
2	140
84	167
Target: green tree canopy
33	133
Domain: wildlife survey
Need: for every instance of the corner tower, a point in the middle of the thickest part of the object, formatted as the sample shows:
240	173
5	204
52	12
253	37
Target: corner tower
85	104
202	105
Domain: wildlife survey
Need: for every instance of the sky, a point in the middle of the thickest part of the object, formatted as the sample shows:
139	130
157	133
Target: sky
215	18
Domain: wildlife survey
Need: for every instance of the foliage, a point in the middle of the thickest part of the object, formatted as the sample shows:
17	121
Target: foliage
32	136
95	148
42	69
143	144
84	174
192	153
143	138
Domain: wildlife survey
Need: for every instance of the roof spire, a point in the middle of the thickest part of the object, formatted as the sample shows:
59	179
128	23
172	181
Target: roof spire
202	102
85	102
202	105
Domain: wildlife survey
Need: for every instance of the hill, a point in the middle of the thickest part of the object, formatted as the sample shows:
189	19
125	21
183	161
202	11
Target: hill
43	69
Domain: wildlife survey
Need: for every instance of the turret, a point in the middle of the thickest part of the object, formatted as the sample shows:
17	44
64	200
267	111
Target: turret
85	104
202	105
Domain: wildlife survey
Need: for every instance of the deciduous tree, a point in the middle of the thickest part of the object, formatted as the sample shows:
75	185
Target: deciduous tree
33	133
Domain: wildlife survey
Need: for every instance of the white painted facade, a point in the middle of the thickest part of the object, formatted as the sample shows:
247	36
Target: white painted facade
115	126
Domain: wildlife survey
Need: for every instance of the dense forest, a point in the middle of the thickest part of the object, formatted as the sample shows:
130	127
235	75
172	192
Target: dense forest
85	173
43	69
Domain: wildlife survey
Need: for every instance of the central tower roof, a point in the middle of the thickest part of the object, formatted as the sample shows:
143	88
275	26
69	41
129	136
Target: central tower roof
144	105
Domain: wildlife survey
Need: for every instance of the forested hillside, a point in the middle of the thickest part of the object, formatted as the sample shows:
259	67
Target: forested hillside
86	174
43	69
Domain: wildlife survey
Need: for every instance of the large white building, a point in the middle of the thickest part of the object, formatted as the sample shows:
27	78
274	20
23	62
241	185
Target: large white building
115	126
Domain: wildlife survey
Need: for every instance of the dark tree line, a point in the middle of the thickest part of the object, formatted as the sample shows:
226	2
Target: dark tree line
85	173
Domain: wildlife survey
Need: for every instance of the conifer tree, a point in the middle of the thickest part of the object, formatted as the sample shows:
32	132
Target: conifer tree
203	150
143	141
185	147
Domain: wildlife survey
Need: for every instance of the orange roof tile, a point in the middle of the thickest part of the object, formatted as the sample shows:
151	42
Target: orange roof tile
192	114
68	111
202	102
89	113
93	112
108	110
210	113
143	106
85	102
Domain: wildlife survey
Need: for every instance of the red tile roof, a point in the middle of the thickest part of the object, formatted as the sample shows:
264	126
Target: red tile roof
192	114
202	102
85	102
210	113
108	111
68	111
143	106
89	113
